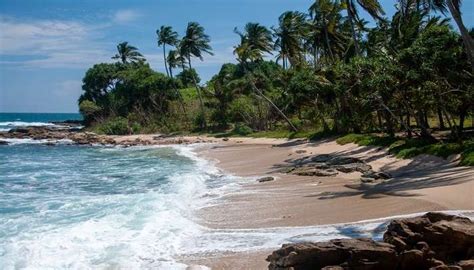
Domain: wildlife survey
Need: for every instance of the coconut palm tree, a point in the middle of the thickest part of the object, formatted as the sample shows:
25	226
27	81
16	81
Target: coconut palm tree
290	34
373	7
326	38
128	54
194	43
255	41
174	60
166	36
454	7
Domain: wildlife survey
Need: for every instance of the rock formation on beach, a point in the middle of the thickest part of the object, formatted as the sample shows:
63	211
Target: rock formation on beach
432	241
331	165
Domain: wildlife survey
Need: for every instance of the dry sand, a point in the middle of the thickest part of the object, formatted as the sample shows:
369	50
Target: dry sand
424	183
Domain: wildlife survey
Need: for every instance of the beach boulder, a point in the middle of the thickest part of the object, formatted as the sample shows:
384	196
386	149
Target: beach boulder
432	241
335	254
440	236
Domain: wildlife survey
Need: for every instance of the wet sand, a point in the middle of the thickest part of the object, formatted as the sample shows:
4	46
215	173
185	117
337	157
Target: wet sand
425	183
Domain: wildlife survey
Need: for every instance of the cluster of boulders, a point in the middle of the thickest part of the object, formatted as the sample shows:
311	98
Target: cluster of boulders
331	165
433	241
53	134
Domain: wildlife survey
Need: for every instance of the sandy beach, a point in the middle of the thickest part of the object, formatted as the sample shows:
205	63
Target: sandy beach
424	183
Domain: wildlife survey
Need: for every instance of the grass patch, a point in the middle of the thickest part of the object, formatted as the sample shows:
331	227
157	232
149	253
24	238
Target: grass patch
408	148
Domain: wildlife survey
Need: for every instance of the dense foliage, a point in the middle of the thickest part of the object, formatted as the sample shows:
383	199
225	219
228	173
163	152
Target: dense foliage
410	74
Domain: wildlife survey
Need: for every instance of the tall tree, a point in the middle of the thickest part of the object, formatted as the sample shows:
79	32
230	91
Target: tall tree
128	54
454	7
326	38
166	36
174	60
255	41
373	7
194	43
290	34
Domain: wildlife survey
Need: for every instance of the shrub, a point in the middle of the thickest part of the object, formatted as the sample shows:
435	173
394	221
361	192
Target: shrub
115	126
241	129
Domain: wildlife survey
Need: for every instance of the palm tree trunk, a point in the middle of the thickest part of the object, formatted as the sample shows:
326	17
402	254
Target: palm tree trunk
466	38
350	15
164	58
255	88
171	72
201	103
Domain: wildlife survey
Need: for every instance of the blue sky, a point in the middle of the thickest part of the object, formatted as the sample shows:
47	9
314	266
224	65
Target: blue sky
47	45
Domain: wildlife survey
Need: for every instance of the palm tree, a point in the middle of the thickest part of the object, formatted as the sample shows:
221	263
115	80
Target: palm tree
290	34
166	36
326	37
373	7
454	7
194	43
254	43
174	60
128	54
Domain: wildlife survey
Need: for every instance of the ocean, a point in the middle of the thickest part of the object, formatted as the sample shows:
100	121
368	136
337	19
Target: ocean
12	120
101	207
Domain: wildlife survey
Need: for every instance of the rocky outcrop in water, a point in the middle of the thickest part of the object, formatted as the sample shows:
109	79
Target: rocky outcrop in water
432	241
52	134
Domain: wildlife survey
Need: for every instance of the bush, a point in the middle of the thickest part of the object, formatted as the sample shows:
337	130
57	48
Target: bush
241	129
199	120
186	77
115	126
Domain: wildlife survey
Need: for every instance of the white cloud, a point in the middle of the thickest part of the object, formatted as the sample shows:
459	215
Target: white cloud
126	15
50	43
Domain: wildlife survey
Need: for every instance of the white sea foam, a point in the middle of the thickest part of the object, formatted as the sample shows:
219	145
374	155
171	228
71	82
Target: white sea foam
6	126
150	230
14	141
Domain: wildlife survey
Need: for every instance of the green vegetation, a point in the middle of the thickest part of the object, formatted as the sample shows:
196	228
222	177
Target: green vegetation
408	148
410	75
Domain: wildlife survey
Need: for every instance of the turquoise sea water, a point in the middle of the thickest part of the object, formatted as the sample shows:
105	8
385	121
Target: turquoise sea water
11	120
99	207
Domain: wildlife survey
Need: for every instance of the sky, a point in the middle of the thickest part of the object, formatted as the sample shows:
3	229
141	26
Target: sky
46	46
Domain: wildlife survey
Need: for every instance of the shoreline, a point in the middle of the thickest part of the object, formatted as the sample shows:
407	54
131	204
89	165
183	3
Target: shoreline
424	183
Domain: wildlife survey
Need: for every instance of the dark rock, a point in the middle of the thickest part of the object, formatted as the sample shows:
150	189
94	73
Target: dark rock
376	175
343	160
225	139
346	253
353	167
322	158
432	241
3	142
19	130
310	171
411	259
265	179
300	151
449	237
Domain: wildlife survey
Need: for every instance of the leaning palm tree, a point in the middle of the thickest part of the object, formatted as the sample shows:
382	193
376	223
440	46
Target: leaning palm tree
128	54
290	34
454	7
373	7
166	36
255	41
194	43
